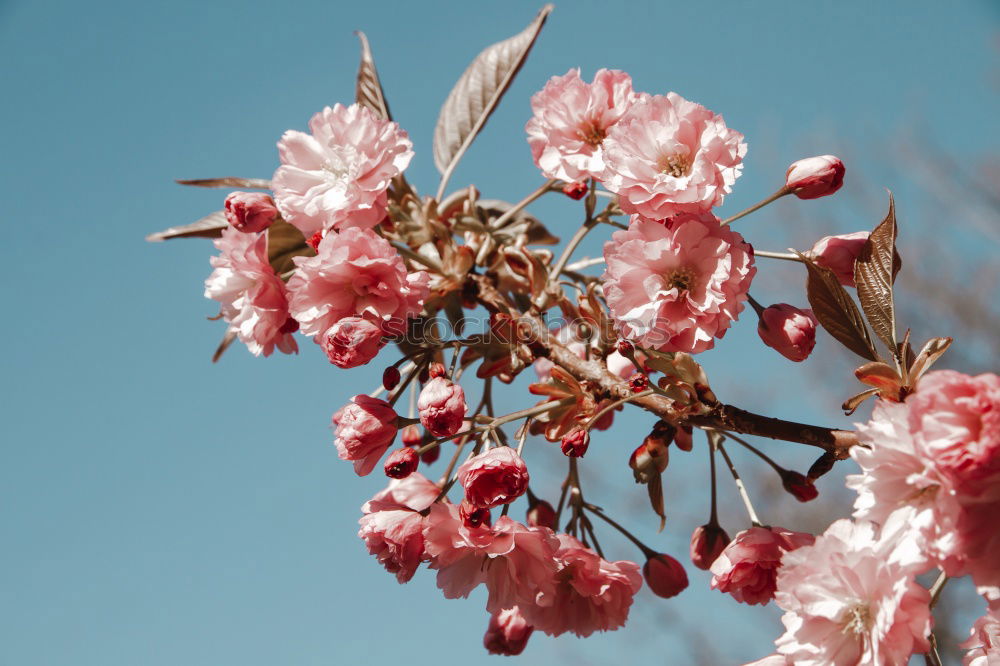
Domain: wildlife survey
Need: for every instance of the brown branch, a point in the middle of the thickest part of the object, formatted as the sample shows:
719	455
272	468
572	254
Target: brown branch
720	416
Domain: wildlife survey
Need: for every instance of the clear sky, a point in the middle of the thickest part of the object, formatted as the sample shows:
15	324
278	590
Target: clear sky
158	510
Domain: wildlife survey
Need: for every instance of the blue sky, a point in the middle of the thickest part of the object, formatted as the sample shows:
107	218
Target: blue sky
157	509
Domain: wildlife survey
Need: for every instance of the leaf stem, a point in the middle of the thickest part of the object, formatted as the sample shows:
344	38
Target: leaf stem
501	221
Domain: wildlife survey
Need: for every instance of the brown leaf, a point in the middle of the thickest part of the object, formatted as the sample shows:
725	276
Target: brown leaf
283	243
521	223
851	404
836	311
655	488
874	274
928	355
249	183
227	340
477	93
210	226
368	90
882	376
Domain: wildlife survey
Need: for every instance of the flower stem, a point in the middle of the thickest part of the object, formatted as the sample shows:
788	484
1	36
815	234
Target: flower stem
646	550
715	438
500	420
608	408
519	206
787	256
714	519
757	206
416	257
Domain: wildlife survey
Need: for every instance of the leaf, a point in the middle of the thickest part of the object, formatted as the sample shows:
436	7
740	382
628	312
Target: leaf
283	243
210	226
368	89
249	183
851	404
874	274
835	310
655	489
227	340
883	377
928	355
522	223
477	93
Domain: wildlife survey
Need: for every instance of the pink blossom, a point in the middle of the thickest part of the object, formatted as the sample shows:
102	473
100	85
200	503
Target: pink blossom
351	342
848	600
769	660
497	476
667	155
815	177
838	254
354	273
507	633
788	330
250	212
748	566
366	427
571	120
254	300
677	286
442	407
392	528
983	644
665	576
590	594
401	463
337	176
515	562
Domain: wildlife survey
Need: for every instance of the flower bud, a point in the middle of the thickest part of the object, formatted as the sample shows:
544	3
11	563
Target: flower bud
442	407
366	427
707	542
541	514
429	456
390	378
788	330
683	438
575	443
250	212
652	456
436	369
497	476
625	348
401	463
815	177
351	342
838	253
822	465
664	575
507	633
575	191
412	436
798	485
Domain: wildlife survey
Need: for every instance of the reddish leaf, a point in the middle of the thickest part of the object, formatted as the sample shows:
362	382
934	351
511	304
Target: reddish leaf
210	226
851	404
836	311
928	355
368	89
874	273
283	243
246	183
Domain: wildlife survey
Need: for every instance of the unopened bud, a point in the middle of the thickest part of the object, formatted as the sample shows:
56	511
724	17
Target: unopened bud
250	212
798	485
575	443
436	370
575	191
430	455
683	438
412	436
541	514
625	348
390	378
401	463
822	465
665	575
650	458
815	177
707	542
788	330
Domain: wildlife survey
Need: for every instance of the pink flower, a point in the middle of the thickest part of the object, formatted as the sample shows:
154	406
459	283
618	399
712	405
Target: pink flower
848	600
497	476
707	543
788	330
442	407
254	300
667	155
250	212
392	528
838	254
351	342
590	594
983	644
815	177
515	562
769	660
337	176
571	120
665	576
366	427
354	273
677	286
507	633
748	566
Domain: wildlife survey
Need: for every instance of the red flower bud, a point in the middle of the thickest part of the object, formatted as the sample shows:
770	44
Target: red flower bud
508	633
412	436
683	438
250	212
430	455
541	514
575	443
664	575
815	177
788	330
401	463
390	378
436	370
798	485
651	457
707	542
625	348
822	465
575	191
